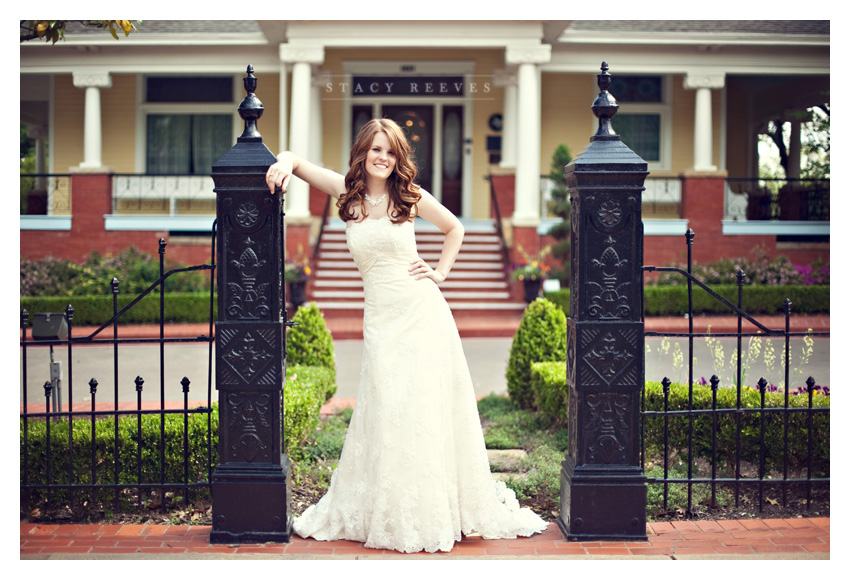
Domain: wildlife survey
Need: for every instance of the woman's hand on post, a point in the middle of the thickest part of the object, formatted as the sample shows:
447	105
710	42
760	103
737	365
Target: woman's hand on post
420	269
280	173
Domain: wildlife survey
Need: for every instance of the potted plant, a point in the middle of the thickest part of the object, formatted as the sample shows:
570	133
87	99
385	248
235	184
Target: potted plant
531	272
296	273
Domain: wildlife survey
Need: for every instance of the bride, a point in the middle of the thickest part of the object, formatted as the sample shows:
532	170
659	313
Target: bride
413	474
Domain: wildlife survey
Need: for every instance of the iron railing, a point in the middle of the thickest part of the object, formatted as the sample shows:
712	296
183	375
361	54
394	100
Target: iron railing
40	483
704	424
497	218
166	194
778	199
45	194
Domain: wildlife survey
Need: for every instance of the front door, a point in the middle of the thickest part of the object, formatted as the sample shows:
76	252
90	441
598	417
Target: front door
417	122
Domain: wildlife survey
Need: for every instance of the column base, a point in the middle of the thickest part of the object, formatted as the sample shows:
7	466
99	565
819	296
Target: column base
604	504
251	503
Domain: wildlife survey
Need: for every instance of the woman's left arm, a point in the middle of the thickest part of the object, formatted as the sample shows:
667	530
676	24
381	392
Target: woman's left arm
433	211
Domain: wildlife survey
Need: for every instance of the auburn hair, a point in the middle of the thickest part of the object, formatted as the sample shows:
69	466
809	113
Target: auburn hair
403	192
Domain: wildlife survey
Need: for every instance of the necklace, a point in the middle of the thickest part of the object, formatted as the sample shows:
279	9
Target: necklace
374	203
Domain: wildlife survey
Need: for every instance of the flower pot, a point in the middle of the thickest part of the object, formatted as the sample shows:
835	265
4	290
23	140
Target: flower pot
297	293
532	289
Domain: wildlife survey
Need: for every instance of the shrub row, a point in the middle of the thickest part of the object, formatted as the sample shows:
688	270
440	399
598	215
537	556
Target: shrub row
673	300
96	310
550	389
304	394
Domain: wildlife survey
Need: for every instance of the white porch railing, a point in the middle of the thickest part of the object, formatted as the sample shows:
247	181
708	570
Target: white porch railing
134	193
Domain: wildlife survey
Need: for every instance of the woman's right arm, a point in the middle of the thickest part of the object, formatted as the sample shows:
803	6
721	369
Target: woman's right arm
289	164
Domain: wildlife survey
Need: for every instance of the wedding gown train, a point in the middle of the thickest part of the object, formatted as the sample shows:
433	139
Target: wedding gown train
413	474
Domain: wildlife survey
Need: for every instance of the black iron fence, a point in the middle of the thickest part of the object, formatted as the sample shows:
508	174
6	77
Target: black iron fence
74	454
756	443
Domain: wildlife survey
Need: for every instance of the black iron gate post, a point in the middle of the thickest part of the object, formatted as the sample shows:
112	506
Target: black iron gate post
251	485
603	487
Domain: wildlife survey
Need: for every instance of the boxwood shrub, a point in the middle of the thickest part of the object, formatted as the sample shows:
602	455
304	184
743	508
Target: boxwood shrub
541	337
549	385
310	343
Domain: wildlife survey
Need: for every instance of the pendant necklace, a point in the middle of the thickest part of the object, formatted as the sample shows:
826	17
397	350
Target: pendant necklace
374	203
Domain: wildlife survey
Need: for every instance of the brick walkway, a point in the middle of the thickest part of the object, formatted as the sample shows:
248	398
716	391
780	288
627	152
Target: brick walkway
806	538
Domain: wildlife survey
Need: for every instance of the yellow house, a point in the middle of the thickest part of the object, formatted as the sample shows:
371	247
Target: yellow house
481	99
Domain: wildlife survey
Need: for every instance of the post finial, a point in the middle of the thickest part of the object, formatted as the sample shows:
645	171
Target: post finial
605	106
250	109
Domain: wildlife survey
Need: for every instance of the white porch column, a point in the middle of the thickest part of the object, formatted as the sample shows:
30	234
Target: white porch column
302	59
527	192
508	81
703	144
283	122
92	134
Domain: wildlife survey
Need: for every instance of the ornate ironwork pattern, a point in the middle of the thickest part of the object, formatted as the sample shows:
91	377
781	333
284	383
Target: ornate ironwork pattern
603	489
251	485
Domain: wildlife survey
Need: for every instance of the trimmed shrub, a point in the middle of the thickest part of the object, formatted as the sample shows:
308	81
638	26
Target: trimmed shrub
549	385
541	337
96	310
673	300
310	343
303	389
774	440
303	396
129	469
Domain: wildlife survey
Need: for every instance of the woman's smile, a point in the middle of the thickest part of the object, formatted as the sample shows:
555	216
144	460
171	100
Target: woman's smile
380	160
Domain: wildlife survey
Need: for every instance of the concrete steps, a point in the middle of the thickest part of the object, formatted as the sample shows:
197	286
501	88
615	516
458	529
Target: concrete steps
477	286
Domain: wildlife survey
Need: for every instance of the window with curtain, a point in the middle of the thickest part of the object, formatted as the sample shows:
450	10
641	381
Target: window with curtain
182	143
641	132
189	123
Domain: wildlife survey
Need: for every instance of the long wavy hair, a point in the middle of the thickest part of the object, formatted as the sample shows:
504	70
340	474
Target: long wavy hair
403	192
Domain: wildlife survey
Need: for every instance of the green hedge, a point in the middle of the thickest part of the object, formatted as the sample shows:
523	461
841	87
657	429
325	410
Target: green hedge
549	385
673	300
96	310
541	337
550	388
751	426
310	343
304	392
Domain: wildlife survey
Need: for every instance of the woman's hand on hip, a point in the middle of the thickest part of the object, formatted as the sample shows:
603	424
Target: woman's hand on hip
419	269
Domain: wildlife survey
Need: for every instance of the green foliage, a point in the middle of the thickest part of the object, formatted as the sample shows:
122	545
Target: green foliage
549	385
673	300
96	310
561	207
541	337
303	390
758	268
310	343
561	299
303	396
130	470
774	446
135	270
54	30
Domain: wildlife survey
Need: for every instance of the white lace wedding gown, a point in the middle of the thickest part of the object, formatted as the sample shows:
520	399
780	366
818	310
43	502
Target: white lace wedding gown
414	473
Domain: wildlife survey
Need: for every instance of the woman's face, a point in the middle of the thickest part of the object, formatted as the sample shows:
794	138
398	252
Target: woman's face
380	159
